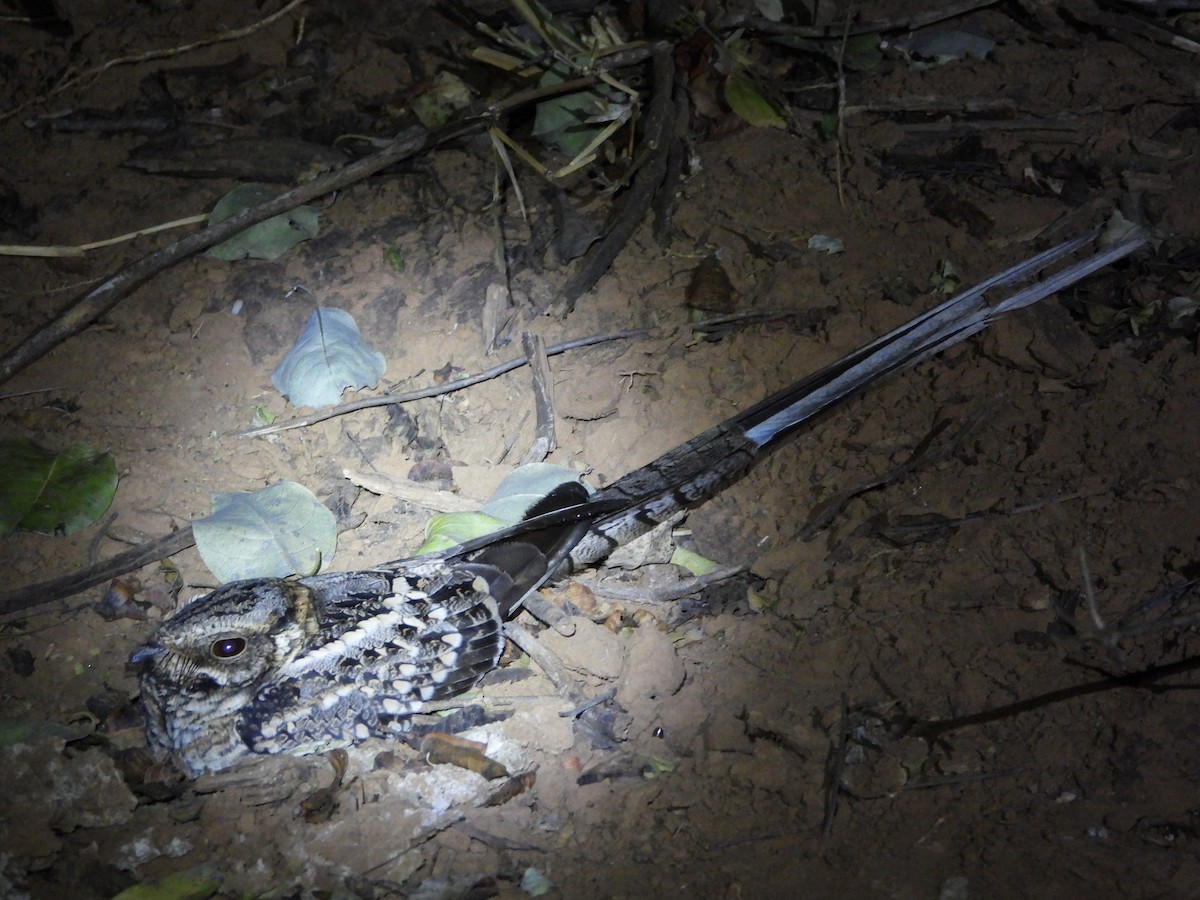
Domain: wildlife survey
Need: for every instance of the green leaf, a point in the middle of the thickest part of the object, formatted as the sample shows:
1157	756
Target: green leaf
51	492
269	239
279	531
523	487
22	730
446	530
194	884
770	9
693	561
563	122
520	489
262	416
863	52
396	260
826	244
535	884
941	46
446	94
329	356
827	125
945	280
749	104
658	765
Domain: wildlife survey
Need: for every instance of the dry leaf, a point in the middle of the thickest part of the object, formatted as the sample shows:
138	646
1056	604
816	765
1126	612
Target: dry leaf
710	288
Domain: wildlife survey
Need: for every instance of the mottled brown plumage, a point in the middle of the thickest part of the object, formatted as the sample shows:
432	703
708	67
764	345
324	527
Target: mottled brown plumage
275	665
308	664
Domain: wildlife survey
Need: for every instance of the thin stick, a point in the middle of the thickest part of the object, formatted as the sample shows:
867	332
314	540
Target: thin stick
1144	679
1134	25
150	55
970	778
101	299
637	200
547	662
673	591
95	304
81	249
933	103
134	558
1089	593
836	766
411	492
895	23
549	614
45	390
512	441
546	440
840	132
589	704
438	389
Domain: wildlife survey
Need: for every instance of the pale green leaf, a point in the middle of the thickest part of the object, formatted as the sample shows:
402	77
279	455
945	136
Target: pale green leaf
826	244
770	9
941	46
329	356
520	490
535	884
748	103
563	122
445	96
268	239
446	530
862	52
523	487
279	531
194	884
692	561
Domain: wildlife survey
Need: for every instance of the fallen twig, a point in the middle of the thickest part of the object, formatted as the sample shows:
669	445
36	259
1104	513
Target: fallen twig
637	199
411	492
103	298
45	390
512	441
81	249
1147	679
493	840
935	103
1111	635
100	300
438	389
583	707
56	588
968	778
907	22
151	55
1134	25
840	134
928	449
547	662
835	768
668	194
666	592
543	399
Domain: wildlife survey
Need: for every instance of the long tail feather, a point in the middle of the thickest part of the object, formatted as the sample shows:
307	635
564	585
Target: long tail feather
701	467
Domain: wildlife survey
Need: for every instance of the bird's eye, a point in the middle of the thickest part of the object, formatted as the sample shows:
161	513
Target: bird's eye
228	647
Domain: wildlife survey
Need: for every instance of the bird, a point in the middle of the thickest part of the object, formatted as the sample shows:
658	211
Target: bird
307	664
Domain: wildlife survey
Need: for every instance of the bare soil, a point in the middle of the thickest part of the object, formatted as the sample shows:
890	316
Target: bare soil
768	744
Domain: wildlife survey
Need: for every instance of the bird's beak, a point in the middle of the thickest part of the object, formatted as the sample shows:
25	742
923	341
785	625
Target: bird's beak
141	658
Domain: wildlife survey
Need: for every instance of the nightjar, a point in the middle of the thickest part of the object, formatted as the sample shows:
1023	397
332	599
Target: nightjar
306	664
280	665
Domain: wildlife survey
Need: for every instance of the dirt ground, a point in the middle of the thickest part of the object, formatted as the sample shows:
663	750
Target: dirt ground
908	705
